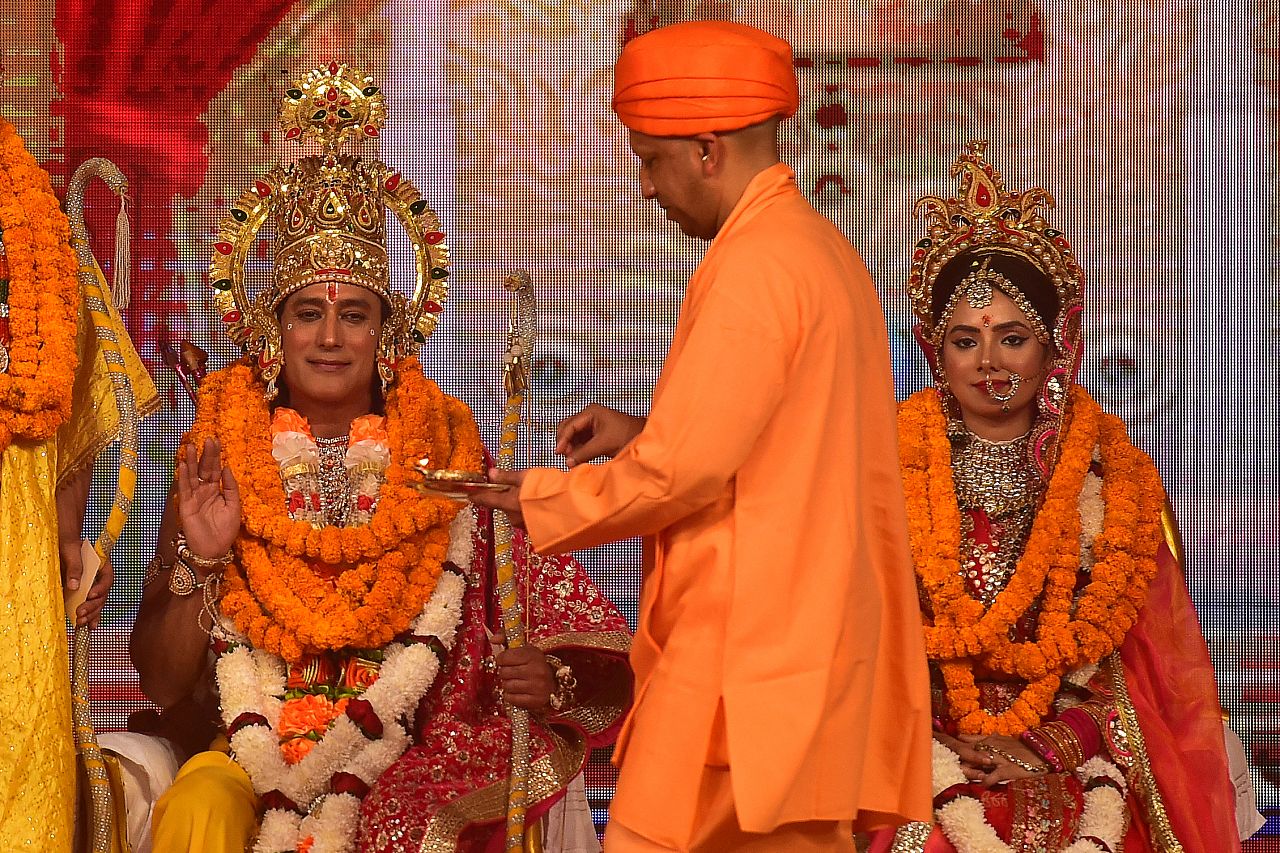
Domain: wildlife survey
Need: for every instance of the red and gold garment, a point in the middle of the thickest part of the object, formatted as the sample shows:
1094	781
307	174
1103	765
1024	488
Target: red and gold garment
1148	707
452	784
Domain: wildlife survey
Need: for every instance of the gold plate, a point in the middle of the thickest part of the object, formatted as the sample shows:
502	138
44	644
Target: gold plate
455	484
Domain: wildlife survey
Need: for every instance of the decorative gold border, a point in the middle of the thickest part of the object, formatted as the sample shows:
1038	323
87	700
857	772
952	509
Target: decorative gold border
608	641
1141	779
911	837
547	776
613	698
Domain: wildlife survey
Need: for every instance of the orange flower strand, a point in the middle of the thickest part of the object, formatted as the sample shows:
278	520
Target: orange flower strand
1073	629
44	298
272	590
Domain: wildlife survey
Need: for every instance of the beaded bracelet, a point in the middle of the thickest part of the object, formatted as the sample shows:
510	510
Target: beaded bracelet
1015	760
195	561
182	576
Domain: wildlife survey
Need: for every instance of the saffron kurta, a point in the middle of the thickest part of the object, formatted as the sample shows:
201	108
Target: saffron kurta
778	629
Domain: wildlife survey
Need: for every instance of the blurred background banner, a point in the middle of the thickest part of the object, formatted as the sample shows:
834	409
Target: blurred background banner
1153	124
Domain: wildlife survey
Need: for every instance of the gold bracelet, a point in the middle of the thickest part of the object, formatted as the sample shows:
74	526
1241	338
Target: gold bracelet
195	561
182	579
1065	743
153	570
1011	758
566	683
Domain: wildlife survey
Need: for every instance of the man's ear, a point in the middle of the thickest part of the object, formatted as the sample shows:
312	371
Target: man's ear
711	151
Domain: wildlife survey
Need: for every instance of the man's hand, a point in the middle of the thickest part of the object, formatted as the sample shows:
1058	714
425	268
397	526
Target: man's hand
90	612
208	500
527	680
507	500
594	432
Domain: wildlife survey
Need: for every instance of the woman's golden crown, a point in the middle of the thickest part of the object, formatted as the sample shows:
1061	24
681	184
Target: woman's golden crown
985	214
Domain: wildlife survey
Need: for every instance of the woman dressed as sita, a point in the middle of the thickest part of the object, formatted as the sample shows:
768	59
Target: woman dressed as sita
340	624
1074	702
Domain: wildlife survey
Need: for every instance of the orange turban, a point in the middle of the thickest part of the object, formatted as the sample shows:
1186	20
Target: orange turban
703	77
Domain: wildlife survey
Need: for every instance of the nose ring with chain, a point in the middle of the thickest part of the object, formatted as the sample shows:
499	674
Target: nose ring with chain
1014	382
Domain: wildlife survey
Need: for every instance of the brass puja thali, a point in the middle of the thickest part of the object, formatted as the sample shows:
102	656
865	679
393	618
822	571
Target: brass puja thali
452	483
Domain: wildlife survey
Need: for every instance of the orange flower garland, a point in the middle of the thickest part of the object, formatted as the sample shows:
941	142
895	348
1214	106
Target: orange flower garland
303	721
1073	629
281	590
44	298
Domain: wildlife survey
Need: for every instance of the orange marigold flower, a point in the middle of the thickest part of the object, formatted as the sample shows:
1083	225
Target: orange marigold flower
1072	631
310	713
369	428
287	420
296	749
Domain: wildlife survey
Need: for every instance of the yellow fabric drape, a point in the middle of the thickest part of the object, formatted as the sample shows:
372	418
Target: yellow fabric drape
95	421
209	807
37	762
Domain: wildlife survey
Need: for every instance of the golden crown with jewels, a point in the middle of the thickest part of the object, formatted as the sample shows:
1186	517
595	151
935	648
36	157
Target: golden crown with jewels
328	213
985	215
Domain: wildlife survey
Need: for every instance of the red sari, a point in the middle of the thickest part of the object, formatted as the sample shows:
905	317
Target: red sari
1163	690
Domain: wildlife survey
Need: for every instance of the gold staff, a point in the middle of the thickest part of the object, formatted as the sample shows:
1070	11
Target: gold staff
522	332
99	304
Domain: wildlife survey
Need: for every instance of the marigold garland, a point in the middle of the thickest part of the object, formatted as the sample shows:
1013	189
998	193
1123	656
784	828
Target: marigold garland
294	589
44	298
1075	628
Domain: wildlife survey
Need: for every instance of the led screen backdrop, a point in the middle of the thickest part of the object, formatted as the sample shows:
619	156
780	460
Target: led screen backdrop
1153	124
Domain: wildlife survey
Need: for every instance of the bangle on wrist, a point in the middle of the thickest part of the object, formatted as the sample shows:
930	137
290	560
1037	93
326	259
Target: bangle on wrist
153	570
182	579
182	576
195	561
566	683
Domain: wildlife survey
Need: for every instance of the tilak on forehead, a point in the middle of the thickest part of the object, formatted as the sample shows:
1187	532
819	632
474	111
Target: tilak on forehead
328	213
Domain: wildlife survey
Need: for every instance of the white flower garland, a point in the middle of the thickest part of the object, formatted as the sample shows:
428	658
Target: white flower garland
964	822
253	681
1092	513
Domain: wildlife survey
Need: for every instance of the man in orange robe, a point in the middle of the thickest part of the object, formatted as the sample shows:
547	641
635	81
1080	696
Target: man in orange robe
781	689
